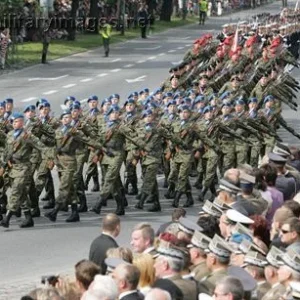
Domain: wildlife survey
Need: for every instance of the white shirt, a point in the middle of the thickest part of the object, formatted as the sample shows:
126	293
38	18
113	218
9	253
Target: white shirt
148	250
127	293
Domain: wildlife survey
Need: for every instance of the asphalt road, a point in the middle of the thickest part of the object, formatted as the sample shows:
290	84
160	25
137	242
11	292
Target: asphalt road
51	248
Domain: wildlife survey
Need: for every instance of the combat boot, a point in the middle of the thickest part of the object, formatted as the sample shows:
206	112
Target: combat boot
156	205
86	182
82	203
74	217
140	204
202	194
3	201
126	186
28	222
190	201
176	199
171	191
213	192
50	204
35	212
96	187
18	213
52	215
120	211
97	207
6	219
198	183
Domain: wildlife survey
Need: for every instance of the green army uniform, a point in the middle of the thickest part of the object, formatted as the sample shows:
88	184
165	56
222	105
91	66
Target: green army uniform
241	147
68	139
258	92
94	119
276	291
200	271
43	173
113	138
187	287
211	280
17	154
262	288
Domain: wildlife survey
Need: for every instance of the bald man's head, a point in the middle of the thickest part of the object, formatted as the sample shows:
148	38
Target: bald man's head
158	294
111	224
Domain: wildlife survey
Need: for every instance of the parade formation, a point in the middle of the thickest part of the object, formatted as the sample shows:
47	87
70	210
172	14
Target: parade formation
218	109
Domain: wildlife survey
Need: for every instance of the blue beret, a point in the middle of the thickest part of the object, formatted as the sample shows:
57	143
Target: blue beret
187	100
226	103
76	102
157	91
70	98
65	113
184	107
74	106
106	100
42	100
94	97
171	102
2	104
168	94
252	100
29	108
207	109
211	97
115	96
152	105
134	94
268	98
129	101
147	112
146	90
239	102
277	159
199	98
9	100
226	94
113	108
17	115
44	104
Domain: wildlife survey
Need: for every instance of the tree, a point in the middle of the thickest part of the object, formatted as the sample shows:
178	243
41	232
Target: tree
94	15
72	22
166	10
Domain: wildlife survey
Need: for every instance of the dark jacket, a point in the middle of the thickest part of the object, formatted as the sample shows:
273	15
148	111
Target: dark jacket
133	296
98	250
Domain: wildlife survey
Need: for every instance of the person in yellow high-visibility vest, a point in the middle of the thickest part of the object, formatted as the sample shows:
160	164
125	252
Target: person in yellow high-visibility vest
105	31
203	7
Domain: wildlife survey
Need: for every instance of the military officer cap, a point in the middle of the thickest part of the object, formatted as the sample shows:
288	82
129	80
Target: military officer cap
152	105
295	285
65	113
268	98
248	282
113	108
92	98
221	205
219	247
252	100
225	95
170	251
146	90
246	181
282	150
42	103
104	101
240	233
225	104
255	259
16	116
188	226
69	98
113	262
173	77
29	108
129	101
292	259
211	209
277	159
117	96
274	256
147	112
227	186
207	109
239	102
157	91
236	217
171	102
2	104
247	246
9	100
133	94
187	100
235	77
199	240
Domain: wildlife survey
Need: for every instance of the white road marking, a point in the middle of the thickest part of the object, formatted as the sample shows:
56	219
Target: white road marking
29	99
187	45
50	92
47	78
186	38
138	79
128	66
180	48
141	61
115	60
161	54
69	85
152	57
115	70
148	48
171	51
102	75
86	80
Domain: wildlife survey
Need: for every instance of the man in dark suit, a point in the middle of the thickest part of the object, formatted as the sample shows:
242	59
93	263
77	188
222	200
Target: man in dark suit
110	230
127	278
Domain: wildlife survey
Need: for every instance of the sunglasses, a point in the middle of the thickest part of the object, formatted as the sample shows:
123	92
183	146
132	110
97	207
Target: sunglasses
284	231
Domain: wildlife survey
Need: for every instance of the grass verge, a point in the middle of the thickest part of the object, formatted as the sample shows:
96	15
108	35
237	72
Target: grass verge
30	53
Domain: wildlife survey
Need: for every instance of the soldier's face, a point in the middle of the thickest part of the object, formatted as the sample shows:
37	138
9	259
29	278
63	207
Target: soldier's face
171	109
18	123
114	116
75	113
66	120
184	115
45	111
237	259
9	106
2	111
226	110
239	108
235	83
252	105
208	115
115	100
69	103
203	82
174	82
269	104
149	119
93	104
158	96
129	107
106	106
283	274
263	81
29	114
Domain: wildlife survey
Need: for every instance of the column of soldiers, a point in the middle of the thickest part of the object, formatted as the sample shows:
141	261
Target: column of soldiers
220	108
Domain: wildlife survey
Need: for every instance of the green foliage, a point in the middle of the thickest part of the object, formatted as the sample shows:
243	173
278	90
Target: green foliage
11	7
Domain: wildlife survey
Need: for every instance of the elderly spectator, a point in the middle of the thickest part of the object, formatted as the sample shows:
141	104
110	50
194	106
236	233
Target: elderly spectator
120	252
43	293
111	228
293	206
230	287
85	271
68	289
158	294
145	263
127	279
102	288
209	224
142	239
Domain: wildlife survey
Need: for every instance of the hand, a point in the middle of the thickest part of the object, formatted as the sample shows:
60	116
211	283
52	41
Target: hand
51	164
1	172
95	159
